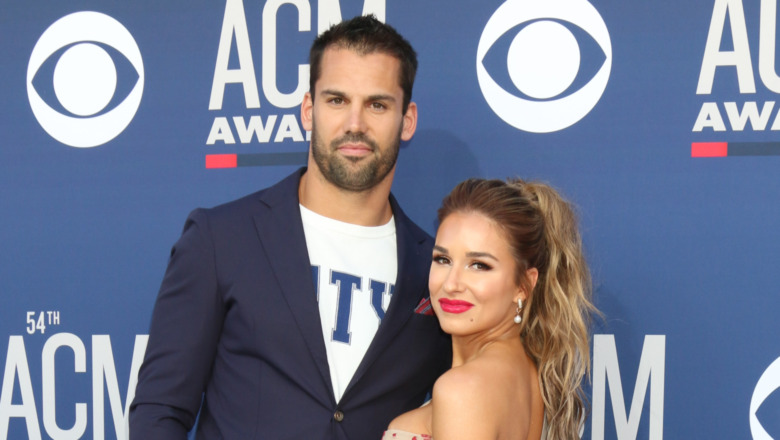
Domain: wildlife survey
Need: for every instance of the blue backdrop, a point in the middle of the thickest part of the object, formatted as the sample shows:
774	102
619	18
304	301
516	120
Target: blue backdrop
657	119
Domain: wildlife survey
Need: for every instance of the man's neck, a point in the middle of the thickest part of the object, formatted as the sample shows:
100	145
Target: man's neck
364	208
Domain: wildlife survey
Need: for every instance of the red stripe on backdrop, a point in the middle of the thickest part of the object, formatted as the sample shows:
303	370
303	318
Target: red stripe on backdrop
221	160
709	149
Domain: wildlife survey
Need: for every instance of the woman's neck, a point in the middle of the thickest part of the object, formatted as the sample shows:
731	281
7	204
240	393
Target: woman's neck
468	348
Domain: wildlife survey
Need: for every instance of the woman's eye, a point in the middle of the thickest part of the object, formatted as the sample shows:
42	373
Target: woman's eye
480	265
440	259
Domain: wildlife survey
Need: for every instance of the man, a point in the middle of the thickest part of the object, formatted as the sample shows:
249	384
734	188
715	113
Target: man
240	327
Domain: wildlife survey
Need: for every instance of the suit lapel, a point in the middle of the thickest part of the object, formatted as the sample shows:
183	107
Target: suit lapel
413	265
280	229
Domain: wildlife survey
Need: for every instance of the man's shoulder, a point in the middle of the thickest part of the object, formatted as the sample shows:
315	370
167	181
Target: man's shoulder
285	190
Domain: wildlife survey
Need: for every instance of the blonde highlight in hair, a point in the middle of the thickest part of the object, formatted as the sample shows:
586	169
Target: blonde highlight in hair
541	230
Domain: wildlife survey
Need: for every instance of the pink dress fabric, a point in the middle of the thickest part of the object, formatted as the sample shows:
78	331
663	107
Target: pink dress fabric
395	434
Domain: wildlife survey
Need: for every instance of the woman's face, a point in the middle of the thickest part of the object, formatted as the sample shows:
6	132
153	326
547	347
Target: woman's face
472	278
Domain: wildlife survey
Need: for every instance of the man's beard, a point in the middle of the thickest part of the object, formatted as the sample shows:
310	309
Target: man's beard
354	174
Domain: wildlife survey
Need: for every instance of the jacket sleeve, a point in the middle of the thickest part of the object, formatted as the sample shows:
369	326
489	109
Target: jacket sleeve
183	336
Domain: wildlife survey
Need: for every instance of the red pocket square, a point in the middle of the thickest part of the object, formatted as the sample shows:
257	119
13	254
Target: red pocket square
424	308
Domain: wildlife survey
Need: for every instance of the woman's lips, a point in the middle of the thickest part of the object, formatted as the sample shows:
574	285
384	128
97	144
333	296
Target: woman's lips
454	305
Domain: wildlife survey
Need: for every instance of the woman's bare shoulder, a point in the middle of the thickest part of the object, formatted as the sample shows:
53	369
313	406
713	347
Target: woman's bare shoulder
468	400
472	376
477	399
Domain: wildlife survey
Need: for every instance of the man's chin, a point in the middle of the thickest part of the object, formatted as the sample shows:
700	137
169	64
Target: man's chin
354	159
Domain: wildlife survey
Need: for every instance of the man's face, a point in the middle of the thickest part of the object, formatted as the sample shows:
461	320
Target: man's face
356	120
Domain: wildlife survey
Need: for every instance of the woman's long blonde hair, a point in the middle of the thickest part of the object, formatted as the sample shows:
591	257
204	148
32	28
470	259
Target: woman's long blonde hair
541	230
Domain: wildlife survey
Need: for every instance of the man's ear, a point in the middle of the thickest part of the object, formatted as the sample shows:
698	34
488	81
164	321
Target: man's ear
410	122
307	106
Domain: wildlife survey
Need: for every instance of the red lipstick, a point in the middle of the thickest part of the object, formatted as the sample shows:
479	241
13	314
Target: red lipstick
454	305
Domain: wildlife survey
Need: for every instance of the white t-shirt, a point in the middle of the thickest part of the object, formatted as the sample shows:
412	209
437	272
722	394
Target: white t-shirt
354	269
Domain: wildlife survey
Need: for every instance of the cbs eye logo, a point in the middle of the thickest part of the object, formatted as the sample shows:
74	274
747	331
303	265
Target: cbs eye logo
84	79
543	61
767	384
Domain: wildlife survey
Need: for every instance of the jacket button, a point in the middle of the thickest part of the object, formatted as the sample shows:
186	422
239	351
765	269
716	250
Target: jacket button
338	416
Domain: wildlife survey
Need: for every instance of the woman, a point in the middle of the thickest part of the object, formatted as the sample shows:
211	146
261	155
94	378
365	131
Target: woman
509	282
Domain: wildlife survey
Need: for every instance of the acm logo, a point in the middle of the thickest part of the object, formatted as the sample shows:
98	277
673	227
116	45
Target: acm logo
84	79
65	356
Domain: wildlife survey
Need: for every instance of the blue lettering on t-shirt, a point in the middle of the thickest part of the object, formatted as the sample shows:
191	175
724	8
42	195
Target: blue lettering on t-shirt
345	284
377	290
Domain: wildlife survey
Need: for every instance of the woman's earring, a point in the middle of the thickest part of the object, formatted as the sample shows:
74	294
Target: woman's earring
518	318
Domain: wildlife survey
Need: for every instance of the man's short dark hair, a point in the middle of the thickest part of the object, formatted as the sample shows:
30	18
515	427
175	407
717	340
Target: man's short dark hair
366	35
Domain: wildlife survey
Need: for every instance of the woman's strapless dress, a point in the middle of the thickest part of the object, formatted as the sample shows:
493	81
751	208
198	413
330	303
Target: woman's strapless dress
395	434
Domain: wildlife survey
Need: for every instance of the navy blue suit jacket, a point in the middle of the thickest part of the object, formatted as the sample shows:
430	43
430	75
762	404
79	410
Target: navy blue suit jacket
236	326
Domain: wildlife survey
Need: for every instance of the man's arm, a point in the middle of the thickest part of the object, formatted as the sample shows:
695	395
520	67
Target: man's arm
183	336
